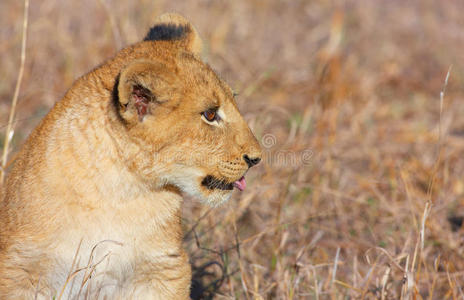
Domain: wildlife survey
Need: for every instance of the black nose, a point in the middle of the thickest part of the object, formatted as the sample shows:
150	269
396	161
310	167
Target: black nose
251	161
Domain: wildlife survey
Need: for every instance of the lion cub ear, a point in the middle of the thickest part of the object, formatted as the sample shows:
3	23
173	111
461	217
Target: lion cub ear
174	27
136	90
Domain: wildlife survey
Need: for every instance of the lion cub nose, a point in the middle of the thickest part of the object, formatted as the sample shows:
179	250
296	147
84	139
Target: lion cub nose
251	161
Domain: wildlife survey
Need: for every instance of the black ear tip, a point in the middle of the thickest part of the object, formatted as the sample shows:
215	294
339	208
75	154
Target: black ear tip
167	32
176	28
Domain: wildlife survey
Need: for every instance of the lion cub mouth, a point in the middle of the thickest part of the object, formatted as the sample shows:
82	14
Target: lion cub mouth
212	183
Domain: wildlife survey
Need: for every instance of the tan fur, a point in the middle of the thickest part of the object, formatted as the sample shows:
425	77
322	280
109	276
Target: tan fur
100	184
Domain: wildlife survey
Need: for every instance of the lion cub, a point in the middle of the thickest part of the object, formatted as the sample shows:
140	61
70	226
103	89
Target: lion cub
92	205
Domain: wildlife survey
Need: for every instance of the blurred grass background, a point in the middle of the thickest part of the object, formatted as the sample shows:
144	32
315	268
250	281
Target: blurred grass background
346	97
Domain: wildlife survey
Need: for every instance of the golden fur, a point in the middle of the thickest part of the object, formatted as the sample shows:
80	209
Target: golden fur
99	182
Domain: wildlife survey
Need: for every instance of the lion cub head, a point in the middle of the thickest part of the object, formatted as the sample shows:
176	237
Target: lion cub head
181	124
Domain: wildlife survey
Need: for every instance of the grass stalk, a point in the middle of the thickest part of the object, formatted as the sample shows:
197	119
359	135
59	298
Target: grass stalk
10	130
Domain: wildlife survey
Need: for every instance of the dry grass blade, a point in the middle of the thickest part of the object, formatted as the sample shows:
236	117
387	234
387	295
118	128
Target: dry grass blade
114	26
384	283
334	271
68	279
9	130
89	269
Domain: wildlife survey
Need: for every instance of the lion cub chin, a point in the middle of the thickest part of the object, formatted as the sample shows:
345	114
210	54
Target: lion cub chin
92	205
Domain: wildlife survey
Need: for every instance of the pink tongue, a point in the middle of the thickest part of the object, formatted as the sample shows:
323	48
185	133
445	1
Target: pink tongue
240	184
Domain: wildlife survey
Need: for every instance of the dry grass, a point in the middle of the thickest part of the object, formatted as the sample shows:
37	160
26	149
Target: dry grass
9	132
361	194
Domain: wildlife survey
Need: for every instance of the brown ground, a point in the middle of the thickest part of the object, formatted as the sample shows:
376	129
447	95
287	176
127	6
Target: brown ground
345	97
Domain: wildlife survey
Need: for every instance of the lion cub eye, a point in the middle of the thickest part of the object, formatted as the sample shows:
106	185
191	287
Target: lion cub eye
211	115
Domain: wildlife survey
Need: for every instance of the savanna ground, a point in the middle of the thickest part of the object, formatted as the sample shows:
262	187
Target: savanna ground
361	192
